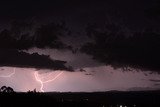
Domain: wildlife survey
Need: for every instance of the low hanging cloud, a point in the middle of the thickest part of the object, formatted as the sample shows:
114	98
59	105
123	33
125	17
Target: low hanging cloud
25	35
112	46
22	59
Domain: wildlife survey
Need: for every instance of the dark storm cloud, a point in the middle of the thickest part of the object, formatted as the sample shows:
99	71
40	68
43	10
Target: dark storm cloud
113	46
78	12
46	8
24	35
154	10
22	59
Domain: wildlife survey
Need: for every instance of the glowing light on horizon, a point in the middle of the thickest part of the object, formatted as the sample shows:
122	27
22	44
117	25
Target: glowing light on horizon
38	79
9	75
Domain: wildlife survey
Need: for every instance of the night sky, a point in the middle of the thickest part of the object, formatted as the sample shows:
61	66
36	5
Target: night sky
73	45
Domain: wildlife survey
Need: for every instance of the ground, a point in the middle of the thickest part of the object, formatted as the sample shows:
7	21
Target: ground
96	99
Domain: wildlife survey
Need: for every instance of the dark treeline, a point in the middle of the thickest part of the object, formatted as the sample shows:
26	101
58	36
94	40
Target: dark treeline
5	89
94	99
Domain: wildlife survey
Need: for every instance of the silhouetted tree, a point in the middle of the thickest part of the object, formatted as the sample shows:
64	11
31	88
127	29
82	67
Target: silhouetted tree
9	89
6	89
34	90
3	89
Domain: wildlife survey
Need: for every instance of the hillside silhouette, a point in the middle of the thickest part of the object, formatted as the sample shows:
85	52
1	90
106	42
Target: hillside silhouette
81	99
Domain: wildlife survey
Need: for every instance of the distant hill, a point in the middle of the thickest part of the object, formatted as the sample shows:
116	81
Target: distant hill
92	99
142	89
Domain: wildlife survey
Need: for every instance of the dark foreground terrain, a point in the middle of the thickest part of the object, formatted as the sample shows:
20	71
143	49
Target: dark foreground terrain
96	99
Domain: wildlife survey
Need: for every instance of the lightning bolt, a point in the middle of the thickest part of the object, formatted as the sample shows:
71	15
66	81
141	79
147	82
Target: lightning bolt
38	79
9	75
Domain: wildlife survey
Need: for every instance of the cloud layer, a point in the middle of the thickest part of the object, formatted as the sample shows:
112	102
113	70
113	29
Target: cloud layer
113	47
22	59
24	35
